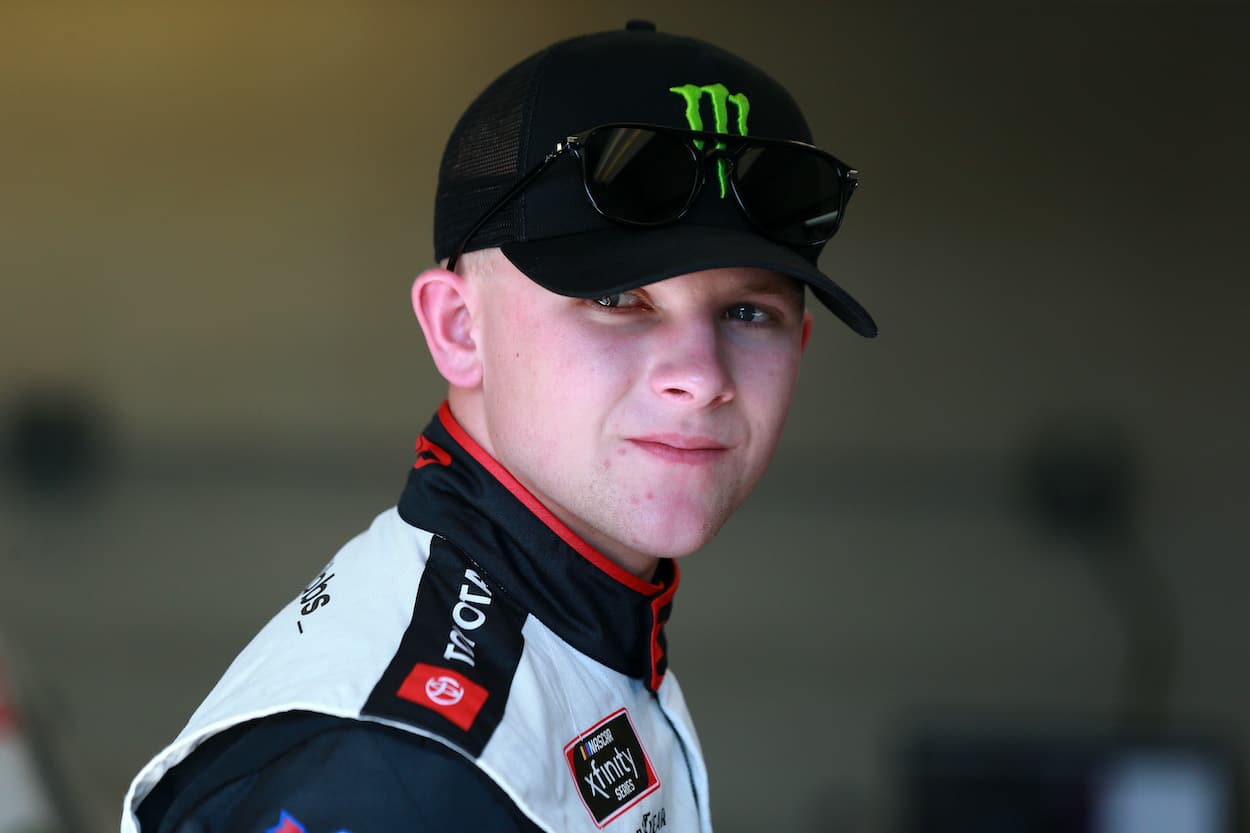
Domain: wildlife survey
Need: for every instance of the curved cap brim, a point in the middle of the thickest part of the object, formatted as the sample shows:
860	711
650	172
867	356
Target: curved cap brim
597	263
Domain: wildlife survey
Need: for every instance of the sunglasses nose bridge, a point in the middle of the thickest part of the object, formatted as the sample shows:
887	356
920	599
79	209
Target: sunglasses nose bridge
721	158
719	150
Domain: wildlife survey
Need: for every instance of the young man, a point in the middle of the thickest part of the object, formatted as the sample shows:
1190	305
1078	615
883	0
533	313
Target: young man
619	317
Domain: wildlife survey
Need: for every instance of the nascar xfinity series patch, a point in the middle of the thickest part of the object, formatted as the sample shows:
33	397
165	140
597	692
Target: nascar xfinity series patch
610	767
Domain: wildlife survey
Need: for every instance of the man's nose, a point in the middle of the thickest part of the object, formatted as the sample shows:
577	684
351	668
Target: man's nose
690	365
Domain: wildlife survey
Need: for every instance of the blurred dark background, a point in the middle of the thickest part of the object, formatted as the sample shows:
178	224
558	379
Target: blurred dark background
1005	539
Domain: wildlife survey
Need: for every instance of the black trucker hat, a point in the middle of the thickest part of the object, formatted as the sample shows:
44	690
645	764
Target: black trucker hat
550	230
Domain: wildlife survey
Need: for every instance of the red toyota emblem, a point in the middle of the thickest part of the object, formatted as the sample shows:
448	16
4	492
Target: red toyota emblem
444	691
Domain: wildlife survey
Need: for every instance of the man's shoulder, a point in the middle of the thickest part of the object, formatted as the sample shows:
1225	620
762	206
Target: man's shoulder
301	771
349	615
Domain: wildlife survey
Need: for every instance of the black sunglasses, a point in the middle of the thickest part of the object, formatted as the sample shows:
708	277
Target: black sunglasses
648	175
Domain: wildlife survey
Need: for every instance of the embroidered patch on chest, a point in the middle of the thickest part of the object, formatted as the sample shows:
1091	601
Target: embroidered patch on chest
288	824
610	767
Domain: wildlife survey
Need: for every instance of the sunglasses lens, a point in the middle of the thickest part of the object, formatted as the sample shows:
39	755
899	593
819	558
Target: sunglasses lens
639	176
795	195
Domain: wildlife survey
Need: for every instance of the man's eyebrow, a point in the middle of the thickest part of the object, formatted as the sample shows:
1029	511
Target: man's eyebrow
763	285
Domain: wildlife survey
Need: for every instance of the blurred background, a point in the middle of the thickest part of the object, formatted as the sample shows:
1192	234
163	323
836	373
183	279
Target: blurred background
996	578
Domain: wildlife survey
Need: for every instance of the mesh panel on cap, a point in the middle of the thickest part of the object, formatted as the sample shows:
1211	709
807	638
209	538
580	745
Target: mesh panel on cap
483	159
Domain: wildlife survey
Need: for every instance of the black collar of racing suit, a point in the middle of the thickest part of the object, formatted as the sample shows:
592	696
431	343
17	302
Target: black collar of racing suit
458	491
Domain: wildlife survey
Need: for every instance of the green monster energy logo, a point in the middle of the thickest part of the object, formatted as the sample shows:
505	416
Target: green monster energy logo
719	94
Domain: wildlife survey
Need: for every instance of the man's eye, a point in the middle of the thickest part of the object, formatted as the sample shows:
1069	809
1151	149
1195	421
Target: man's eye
619	300
748	313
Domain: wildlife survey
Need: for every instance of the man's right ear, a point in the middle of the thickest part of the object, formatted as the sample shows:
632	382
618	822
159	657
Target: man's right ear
441	301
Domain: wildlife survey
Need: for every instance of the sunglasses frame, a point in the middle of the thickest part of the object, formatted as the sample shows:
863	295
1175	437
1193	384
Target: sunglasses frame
719	146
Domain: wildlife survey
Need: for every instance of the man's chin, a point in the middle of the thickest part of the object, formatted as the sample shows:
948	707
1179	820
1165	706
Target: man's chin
677	544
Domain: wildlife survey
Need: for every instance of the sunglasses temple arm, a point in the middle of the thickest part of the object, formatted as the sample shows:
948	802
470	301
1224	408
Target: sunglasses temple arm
508	196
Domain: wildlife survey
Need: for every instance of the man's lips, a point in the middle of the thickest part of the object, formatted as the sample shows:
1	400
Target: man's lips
681	448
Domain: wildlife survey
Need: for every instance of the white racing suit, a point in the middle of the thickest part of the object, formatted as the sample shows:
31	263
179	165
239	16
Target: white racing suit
489	661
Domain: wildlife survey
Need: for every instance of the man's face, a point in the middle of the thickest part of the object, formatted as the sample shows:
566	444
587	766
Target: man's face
644	419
